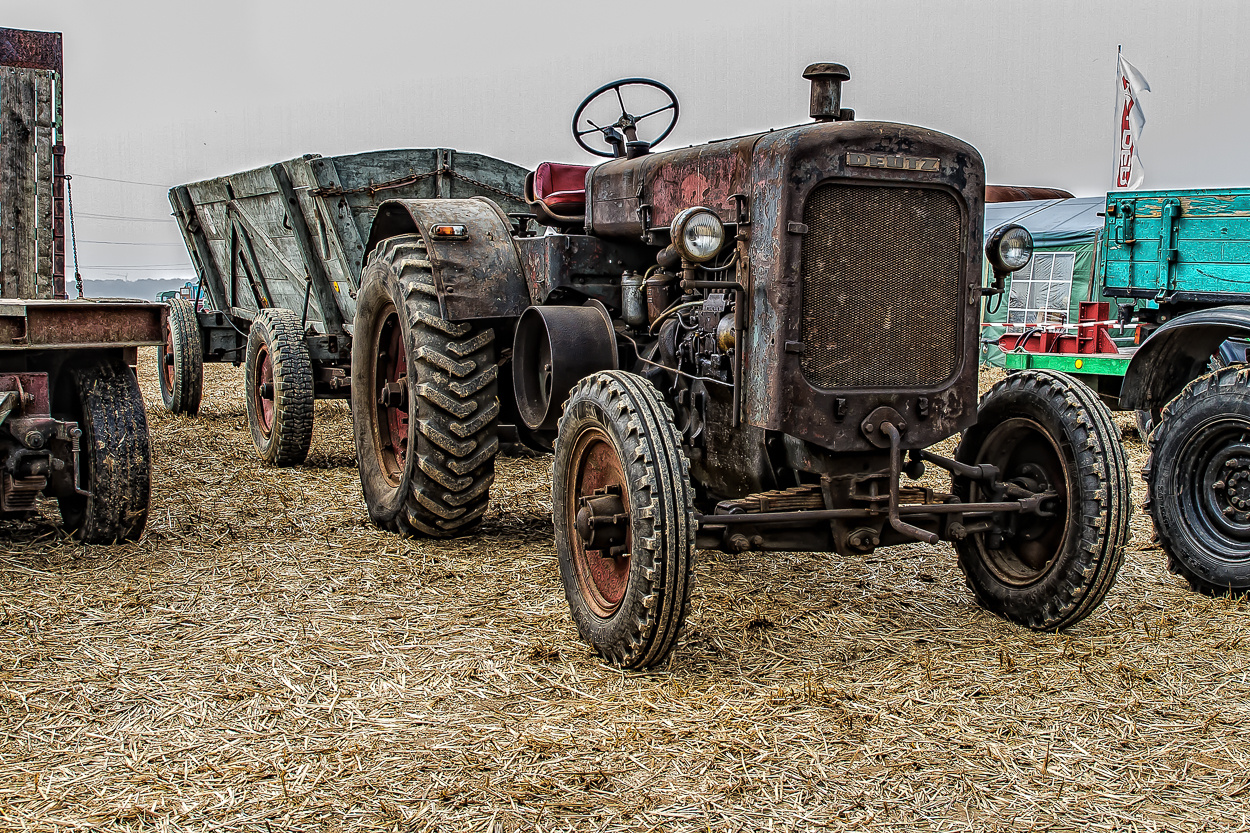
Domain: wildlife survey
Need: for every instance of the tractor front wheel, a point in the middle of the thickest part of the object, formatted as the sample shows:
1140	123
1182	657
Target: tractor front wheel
180	358
623	510
425	409
1046	432
279	386
1198	481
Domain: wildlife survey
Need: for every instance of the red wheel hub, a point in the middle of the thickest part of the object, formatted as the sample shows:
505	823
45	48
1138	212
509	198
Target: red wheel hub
391	397
263	393
167	360
598	481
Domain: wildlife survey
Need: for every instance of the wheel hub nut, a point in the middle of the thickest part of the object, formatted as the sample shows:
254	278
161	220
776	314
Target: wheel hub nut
602	521
395	394
265	389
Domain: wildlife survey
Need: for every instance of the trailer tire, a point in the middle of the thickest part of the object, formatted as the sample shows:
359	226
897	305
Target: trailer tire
180	359
278	387
1198	482
115	457
616	438
412	367
1043	429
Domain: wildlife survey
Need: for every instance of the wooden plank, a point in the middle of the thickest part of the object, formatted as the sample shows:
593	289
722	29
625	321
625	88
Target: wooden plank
44	117
17	185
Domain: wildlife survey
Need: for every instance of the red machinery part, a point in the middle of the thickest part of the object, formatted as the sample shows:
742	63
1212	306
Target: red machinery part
1092	335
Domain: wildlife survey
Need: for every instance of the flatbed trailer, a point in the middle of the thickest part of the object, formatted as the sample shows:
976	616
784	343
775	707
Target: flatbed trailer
279	251
72	421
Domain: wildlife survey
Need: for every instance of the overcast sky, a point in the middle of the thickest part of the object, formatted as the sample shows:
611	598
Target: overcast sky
166	92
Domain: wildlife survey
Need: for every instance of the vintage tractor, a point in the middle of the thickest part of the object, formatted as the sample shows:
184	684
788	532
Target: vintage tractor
744	345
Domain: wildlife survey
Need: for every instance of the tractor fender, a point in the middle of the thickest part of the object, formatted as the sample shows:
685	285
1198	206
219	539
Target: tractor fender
1177	353
477	275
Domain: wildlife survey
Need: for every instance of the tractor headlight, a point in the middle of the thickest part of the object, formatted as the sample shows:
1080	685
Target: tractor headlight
698	234
1010	248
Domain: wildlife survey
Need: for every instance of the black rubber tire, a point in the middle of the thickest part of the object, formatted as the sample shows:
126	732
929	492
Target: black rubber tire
1081	566
450	372
1147	420
180	360
642	630
285	441
115	458
1204	434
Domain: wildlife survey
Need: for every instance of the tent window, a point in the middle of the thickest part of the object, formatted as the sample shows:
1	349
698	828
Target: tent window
1042	291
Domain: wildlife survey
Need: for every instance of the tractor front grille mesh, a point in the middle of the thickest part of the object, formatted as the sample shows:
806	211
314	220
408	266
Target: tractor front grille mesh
881	280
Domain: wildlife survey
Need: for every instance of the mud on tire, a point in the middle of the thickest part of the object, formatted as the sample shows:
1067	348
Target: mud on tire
115	455
180	360
425	407
1046	430
1198	482
616	431
278	387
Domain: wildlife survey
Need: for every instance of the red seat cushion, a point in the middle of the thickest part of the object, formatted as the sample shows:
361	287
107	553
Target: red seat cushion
559	184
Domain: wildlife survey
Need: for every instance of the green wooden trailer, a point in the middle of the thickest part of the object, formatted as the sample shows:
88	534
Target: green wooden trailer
279	251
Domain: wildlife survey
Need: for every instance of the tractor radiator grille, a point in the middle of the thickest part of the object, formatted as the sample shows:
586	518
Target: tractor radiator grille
881	287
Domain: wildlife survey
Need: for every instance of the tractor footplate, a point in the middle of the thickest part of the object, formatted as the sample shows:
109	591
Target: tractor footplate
796	499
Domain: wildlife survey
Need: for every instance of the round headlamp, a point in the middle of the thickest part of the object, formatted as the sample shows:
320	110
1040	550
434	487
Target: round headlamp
698	234
1010	248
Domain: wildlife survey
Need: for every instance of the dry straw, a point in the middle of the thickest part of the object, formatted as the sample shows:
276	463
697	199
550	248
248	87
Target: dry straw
264	659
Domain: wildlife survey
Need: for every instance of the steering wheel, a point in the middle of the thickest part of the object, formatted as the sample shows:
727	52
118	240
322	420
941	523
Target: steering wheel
627	123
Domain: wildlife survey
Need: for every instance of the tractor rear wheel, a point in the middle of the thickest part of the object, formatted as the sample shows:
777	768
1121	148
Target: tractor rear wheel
181	359
1198	482
425	409
1046	432
623	510
115	455
279	387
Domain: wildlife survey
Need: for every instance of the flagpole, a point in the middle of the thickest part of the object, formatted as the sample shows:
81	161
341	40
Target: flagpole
1116	107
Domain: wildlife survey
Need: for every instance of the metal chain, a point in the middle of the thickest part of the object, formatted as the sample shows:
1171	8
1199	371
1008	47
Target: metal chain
391	184
69	195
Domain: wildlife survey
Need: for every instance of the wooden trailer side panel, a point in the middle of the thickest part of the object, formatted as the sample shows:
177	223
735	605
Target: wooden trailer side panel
27	122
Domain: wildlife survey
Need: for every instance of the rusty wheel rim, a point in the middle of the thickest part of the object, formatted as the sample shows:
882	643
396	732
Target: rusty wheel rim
595	465
390	374
1027	455
263	392
167	363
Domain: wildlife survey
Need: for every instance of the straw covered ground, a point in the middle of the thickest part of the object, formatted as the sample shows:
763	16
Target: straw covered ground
264	659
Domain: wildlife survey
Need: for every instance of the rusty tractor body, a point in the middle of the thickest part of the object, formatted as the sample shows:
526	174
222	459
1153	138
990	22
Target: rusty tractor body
72	424
751	344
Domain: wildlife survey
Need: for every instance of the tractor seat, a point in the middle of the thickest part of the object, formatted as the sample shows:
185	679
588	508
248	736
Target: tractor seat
557	193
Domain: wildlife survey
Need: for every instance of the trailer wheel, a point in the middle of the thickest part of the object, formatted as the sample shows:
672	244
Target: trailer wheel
279	387
115	456
181	359
1046	431
1198	482
623	510
425	409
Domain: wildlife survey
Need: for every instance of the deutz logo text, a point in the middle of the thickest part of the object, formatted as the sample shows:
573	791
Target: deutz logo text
898	163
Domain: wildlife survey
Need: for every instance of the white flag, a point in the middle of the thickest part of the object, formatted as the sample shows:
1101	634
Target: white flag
1130	119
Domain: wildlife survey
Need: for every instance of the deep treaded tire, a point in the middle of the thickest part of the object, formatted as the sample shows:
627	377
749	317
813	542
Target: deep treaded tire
411	368
115	456
1046	431
180	359
1198	482
279	387
616	436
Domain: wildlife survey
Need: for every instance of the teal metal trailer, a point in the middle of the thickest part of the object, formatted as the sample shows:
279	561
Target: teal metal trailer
280	251
1178	263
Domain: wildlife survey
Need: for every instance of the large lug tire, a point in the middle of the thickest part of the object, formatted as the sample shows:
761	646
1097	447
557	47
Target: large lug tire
425	406
278	385
1198	482
617	441
1046	431
1147	421
115	457
180	359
